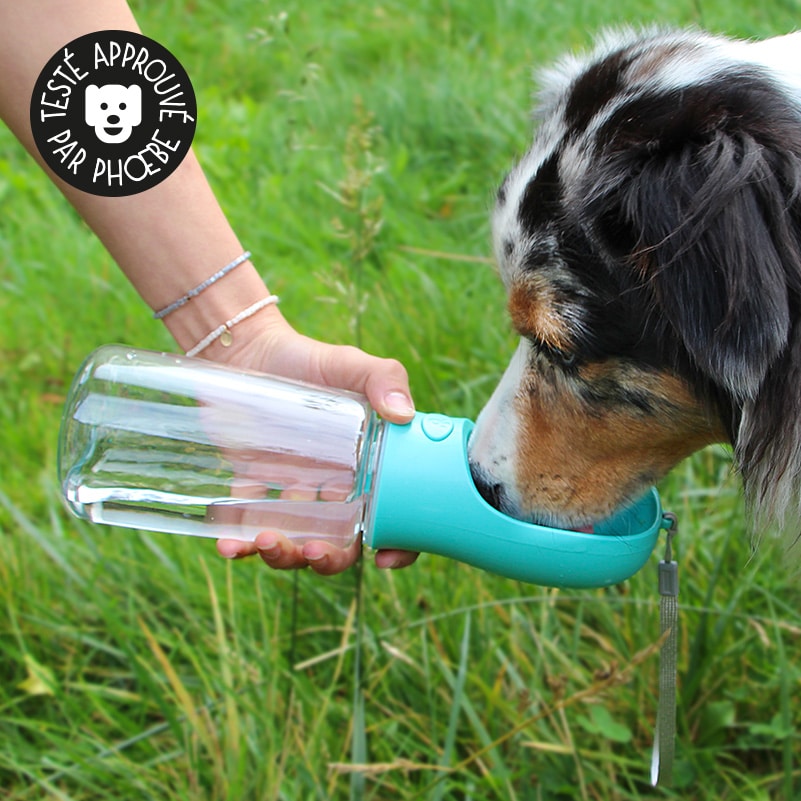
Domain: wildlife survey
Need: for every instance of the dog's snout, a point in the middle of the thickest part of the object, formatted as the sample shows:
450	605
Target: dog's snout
490	491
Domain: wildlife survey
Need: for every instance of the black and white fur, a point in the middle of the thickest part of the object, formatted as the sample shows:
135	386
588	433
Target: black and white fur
650	243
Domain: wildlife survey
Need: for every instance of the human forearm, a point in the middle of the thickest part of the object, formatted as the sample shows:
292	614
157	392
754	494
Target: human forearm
166	240
171	238
31	32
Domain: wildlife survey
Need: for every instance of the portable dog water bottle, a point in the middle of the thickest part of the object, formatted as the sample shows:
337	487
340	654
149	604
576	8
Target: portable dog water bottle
185	446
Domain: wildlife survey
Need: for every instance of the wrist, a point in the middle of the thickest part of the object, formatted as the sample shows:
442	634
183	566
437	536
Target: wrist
250	342
203	315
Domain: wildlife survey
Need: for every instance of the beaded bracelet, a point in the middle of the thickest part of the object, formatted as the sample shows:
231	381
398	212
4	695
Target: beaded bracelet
162	313
222	332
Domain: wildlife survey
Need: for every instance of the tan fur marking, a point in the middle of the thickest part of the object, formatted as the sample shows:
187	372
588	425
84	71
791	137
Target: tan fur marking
534	309
579	461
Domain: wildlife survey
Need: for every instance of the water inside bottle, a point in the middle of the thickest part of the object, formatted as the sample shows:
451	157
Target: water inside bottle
242	519
187	449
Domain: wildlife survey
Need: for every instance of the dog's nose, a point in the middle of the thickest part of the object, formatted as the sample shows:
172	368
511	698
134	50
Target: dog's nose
490	491
113	119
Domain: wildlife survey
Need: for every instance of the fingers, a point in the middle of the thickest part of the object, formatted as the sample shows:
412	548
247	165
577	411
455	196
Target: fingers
385	382
284	351
392	560
323	558
235	549
387	389
281	554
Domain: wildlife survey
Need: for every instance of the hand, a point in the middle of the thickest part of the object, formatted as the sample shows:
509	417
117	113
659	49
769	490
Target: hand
269	344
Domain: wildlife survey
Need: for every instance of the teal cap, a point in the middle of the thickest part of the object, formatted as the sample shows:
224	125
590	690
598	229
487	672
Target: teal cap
424	499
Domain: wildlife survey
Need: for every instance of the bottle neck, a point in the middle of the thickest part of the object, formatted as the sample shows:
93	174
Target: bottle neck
369	458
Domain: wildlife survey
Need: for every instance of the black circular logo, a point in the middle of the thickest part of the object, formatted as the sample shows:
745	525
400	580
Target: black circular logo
113	113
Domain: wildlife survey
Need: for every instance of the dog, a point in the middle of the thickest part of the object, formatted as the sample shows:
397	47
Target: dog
650	246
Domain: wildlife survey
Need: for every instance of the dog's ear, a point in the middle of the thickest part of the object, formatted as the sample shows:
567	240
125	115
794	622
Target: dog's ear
698	190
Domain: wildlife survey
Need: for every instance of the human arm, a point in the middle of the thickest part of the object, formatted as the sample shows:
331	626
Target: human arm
171	238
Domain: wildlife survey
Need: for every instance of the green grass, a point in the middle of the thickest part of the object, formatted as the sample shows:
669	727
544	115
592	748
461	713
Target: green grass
144	667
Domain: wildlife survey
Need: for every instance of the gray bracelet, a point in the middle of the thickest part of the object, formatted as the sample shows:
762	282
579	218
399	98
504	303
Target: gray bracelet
162	313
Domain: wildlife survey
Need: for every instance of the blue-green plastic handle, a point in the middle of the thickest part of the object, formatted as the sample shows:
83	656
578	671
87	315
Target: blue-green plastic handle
425	500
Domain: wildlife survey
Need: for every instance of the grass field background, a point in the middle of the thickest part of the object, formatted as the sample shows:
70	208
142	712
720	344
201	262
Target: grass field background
138	666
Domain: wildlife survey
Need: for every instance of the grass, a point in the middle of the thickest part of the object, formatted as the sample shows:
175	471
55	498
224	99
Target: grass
144	667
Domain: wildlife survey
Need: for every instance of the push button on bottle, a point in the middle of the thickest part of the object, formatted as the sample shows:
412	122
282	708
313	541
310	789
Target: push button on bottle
437	427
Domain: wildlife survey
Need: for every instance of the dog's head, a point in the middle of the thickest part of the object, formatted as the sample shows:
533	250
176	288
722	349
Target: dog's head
650	245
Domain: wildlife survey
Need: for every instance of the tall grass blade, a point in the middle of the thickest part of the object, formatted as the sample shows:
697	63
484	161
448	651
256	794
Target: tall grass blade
31	530
457	702
358	783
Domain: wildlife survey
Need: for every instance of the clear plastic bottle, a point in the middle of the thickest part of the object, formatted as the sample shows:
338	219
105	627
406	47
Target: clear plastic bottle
166	443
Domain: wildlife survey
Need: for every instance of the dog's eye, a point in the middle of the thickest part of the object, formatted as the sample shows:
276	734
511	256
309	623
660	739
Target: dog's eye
567	359
564	358
556	356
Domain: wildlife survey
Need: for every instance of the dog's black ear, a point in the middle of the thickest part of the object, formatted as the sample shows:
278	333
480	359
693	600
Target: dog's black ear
698	190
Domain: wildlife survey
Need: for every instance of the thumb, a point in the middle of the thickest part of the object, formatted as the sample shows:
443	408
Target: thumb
384	381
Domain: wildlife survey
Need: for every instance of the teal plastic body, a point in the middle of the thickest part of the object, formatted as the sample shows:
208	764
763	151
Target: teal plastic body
424	499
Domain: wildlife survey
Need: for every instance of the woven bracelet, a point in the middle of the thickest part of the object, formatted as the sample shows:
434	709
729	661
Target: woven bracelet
162	313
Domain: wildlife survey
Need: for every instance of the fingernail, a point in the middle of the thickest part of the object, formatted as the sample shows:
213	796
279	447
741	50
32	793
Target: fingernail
386	564
399	403
228	551
313	554
268	547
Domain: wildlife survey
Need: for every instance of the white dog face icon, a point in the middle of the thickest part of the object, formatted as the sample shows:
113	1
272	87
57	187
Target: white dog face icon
113	111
